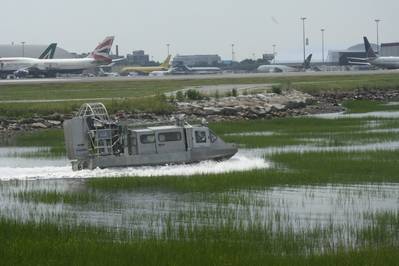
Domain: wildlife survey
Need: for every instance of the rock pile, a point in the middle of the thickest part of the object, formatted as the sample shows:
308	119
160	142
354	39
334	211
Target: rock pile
256	106
29	124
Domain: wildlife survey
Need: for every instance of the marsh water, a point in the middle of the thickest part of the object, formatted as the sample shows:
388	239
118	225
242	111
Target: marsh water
300	207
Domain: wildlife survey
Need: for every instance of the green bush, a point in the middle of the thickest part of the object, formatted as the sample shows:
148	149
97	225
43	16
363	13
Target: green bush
234	92
276	89
193	95
180	96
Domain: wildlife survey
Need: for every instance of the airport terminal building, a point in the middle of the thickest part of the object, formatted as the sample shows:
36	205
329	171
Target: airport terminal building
390	49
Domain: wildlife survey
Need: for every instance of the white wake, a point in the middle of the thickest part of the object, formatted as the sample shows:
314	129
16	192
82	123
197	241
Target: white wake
238	163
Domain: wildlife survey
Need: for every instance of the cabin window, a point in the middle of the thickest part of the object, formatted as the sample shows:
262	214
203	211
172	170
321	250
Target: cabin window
147	138
200	136
169	136
213	136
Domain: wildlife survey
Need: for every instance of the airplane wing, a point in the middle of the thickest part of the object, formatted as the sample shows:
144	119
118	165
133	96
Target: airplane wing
359	63
358	59
114	61
118	60
109	65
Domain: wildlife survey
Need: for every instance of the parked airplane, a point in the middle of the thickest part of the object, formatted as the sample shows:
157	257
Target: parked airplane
146	70
182	69
372	59
285	68
47	54
23	66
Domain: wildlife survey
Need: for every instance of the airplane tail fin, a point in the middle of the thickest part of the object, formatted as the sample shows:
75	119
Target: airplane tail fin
102	51
306	64
49	52
369	50
166	63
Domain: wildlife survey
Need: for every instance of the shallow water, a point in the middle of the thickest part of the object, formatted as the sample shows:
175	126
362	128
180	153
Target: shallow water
15	158
301	207
380	114
379	146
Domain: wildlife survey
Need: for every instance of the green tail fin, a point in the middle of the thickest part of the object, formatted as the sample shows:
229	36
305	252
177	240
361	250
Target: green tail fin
49	52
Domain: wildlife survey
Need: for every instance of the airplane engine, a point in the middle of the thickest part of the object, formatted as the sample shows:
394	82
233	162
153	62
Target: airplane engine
21	73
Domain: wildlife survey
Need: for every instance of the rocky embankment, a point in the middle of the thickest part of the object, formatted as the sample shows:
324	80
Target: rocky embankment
9	125
265	105
253	106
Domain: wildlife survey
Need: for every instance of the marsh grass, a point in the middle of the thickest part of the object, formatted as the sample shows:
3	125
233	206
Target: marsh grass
364	106
312	168
264	141
44	243
50	143
297	125
154	104
55	197
305	130
48	138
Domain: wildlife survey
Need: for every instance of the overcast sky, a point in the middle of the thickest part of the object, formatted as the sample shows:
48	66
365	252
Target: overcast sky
198	27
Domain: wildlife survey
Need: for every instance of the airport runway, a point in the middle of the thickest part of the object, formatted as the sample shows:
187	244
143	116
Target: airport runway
198	77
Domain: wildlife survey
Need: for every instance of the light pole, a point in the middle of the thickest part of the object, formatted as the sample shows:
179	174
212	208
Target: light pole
168	48
274	53
322	43
304	38
377	22
23	49
232	53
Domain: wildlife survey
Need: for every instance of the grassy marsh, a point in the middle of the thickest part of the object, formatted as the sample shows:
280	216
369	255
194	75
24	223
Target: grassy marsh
290	169
195	245
363	106
306	130
49	143
221	219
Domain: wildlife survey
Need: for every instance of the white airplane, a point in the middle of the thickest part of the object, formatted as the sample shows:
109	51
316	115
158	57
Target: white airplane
47	54
285	68
372	59
23	66
182	69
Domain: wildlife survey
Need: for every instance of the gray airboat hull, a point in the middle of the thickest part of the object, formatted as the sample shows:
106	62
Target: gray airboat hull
155	159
